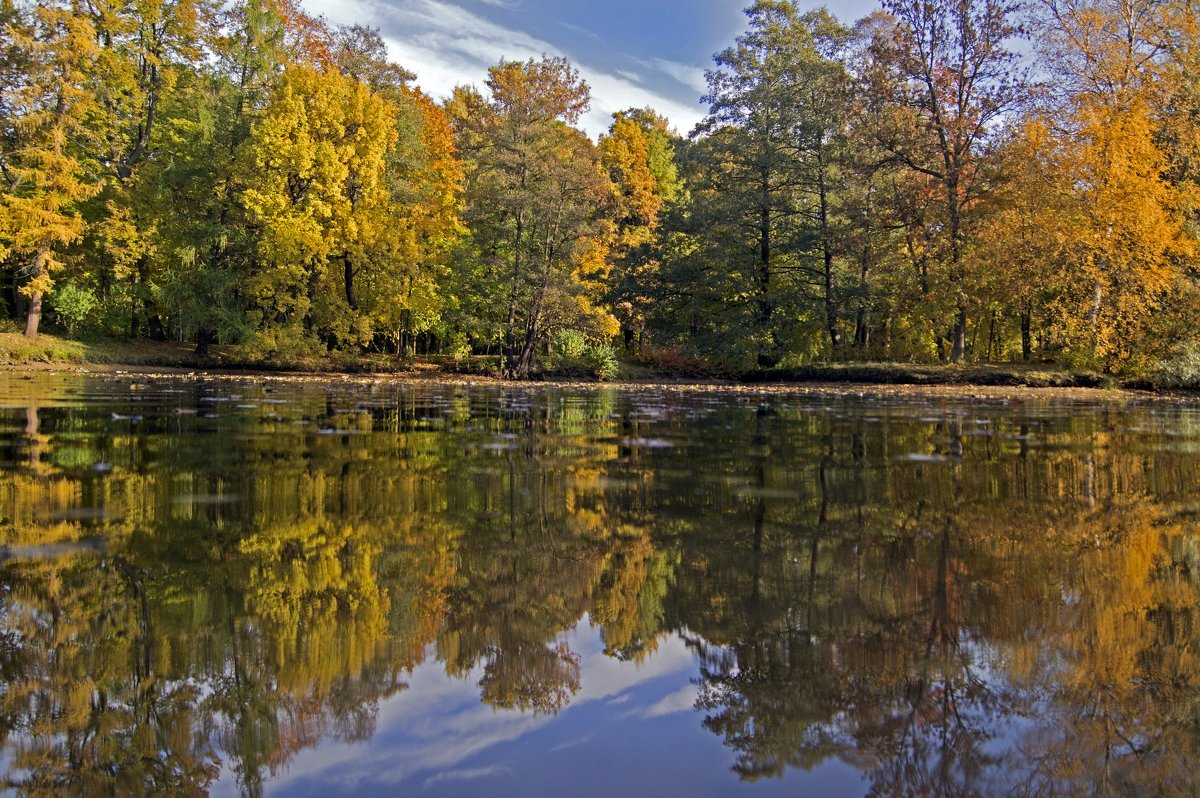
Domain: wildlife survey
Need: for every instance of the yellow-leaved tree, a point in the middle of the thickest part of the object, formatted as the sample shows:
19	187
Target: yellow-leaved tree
44	177
1129	231
315	188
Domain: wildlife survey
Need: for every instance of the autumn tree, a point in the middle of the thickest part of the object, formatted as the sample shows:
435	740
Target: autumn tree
46	112
768	179
316	160
956	79
536	195
1129	219
639	153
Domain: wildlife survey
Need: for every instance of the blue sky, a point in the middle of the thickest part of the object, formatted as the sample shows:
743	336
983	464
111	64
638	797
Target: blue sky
631	52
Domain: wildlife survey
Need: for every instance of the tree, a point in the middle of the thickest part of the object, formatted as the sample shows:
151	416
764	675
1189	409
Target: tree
147	48
46	113
769	164
536	193
957	80
316	161
1129	218
639	153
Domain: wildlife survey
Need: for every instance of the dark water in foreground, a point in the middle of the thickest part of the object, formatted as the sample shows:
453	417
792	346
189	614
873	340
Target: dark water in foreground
307	588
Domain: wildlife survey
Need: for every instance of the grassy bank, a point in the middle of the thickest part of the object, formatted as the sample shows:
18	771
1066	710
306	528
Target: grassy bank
16	350
1006	374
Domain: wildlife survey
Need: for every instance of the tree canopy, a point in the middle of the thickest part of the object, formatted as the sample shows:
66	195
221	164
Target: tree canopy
954	181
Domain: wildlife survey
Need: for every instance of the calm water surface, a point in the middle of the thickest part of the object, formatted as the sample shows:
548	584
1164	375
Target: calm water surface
302	588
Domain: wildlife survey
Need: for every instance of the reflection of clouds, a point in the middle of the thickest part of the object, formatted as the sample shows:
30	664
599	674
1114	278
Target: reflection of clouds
438	723
682	700
467	774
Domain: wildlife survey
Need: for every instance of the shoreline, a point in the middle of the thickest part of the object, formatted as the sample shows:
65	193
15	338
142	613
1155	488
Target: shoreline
948	390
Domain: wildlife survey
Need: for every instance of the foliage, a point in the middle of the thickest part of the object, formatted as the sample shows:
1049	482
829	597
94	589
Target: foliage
1181	367
73	305
574	354
239	171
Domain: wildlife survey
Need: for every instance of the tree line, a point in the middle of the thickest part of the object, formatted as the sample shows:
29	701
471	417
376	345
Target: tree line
973	180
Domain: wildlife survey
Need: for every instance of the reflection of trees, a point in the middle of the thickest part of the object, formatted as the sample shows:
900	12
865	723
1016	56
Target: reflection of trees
948	607
262	599
85	705
967	645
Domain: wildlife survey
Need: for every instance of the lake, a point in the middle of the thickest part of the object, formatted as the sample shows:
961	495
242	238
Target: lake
353	587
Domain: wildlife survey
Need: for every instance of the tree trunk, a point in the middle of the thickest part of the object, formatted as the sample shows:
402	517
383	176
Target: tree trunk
831	319
157	331
510	332
154	325
766	309
34	317
1094	316
959	350
204	338
519	367
1027	332
862	330
351	299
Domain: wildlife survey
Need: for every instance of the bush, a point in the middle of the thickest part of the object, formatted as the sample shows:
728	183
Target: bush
672	362
1180	369
286	345
460	348
570	344
73	305
576	356
601	360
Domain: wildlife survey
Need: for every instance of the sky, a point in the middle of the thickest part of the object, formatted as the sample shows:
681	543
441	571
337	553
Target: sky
632	53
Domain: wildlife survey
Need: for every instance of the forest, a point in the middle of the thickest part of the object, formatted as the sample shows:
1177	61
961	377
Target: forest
942	181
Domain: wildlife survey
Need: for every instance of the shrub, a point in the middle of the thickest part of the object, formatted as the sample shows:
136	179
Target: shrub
672	362
285	345
570	344
73	305
576	356
460	347
1180	368
601	360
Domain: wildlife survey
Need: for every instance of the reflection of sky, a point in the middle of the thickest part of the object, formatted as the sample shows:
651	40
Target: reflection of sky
630	730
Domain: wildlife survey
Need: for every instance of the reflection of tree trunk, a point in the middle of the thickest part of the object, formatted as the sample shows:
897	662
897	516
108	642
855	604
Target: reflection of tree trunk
134	580
32	425
1089	480
760	517
822	523
760	506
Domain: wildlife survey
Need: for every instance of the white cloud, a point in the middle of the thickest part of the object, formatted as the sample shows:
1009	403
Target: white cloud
467	774
684	74
447	45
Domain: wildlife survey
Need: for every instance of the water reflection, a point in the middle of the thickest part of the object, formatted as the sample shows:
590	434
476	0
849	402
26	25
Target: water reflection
202	580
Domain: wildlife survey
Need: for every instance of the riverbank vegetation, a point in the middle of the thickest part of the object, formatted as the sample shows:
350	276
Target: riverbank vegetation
960	182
